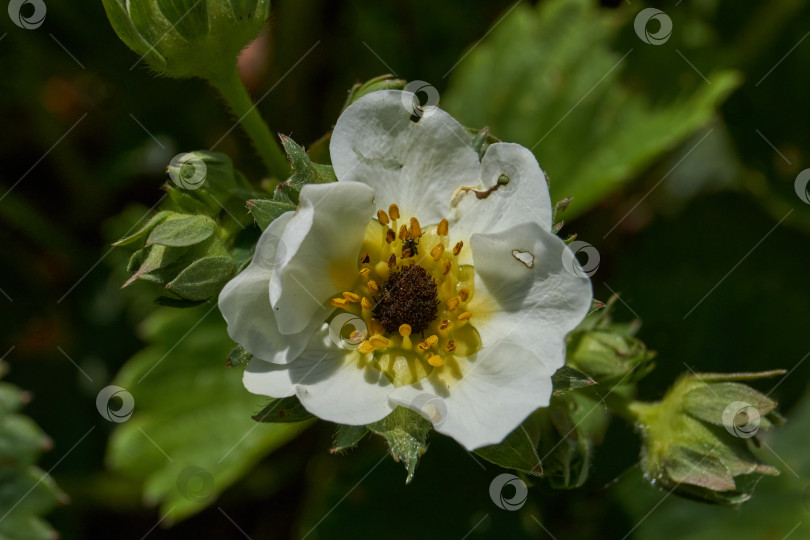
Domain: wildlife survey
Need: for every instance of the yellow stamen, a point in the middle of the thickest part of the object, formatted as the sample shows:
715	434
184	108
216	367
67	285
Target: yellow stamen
464	294
365	303
382	217
444	328
394	211
446	266
437	252
364	272
435	360
351	297
339	302
416	229
405	332
365	347
372	285
451	346
378	341
465	316
452	304
457	248
443	228
429	342
403	232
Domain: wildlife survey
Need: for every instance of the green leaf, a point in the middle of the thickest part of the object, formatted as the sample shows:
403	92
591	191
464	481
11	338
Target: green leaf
193	410
347	437
203	278
26	492
406	432
264	211
182	232
286	410
568	378
518	450
549	79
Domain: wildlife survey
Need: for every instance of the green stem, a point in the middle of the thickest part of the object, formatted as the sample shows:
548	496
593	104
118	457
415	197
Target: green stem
237	97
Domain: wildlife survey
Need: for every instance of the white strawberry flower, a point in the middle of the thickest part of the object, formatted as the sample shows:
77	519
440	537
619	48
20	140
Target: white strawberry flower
441	265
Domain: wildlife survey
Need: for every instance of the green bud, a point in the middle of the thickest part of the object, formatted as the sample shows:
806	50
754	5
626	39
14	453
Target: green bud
383	82
699	439
188	38
606	354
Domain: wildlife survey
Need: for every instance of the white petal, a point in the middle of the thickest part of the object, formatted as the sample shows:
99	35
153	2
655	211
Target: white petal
491	394
525	291
318	254
245	304
417	165
332	383
524	198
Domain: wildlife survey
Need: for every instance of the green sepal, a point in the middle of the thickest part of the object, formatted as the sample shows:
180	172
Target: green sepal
265	211
693	443
283	411
568	378
559	208
347	437
304	170
182	232
238	357
158	218
191	202
518	450
481	140
572	426
203	278
406	433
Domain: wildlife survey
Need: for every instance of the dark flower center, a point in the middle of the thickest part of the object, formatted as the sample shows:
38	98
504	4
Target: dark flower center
409	296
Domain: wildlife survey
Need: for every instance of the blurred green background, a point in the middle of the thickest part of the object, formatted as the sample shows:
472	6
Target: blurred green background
681	158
